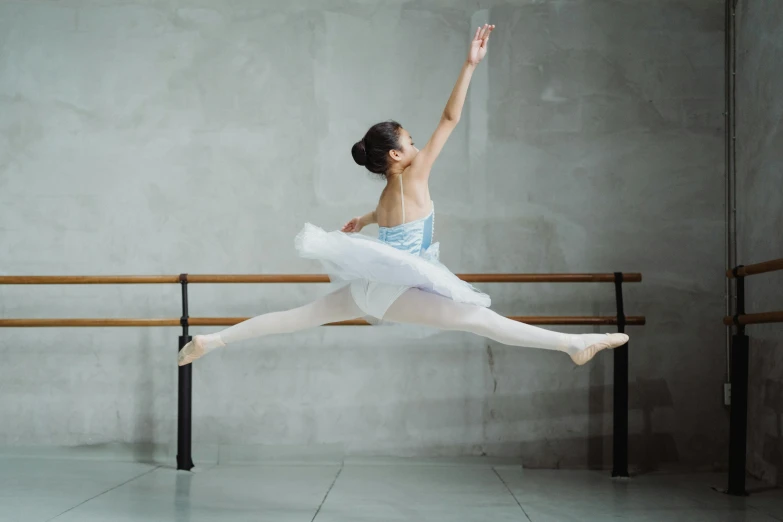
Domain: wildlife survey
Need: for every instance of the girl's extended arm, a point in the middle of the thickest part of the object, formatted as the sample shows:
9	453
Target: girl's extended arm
422	164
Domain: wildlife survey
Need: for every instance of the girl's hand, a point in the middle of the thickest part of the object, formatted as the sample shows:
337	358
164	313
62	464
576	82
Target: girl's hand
354	225
478	47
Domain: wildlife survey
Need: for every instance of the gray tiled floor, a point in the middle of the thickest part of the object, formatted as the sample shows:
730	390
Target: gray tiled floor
33	490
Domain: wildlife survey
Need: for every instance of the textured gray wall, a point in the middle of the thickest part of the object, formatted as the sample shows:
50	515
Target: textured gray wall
760	219
146	138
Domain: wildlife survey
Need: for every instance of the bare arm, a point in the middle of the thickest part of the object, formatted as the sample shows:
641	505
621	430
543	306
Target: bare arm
453	109
424	160
358	223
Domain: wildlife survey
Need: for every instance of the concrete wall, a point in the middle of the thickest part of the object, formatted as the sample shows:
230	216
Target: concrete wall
760	219
147	138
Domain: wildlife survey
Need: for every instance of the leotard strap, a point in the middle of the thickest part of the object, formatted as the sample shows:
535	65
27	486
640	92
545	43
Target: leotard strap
402	197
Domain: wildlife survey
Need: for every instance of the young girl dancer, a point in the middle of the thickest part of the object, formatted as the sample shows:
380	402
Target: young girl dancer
397	277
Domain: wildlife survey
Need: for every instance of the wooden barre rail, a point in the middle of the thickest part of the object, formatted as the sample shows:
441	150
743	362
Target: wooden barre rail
760	268
87	280
762	318
300	278
470	278
230	321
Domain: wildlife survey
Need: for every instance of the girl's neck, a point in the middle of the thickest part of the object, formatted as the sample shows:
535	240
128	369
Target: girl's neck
392	174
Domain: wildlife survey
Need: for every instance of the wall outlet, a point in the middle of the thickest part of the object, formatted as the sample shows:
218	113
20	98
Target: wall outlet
727	394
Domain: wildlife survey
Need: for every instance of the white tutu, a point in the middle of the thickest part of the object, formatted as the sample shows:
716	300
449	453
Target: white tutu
356	257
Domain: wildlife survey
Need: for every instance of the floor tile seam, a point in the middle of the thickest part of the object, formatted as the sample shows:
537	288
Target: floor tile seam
104	492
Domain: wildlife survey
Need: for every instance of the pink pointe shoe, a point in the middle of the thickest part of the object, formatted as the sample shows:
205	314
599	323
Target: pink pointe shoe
191	351
613	340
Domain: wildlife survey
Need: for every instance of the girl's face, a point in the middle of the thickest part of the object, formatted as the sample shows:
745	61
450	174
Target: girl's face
406	152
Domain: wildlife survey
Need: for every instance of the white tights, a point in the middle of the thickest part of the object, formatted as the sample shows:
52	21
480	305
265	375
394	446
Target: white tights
414	306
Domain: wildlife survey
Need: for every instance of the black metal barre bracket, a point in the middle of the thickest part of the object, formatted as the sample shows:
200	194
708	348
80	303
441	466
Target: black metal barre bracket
620	392
618	290
185	390
183	281
740	298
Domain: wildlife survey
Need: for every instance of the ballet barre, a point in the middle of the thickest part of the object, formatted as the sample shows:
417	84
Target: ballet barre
299	278
762	318
184	417
759	268
231	321
739	363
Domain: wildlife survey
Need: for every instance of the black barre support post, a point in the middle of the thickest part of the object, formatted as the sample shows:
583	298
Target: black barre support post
738	422
620	408
185	396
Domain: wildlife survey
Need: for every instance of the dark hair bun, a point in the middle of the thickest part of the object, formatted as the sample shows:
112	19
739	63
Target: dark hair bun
372	152
359	153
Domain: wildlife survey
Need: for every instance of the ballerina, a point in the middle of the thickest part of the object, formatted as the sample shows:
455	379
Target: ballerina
397	276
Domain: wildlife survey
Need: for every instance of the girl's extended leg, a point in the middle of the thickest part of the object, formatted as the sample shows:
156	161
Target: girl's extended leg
424	308
337	306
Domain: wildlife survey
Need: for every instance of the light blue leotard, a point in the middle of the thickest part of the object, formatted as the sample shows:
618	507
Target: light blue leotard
414	237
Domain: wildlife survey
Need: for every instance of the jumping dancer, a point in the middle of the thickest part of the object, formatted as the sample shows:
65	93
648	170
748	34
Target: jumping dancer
397	277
